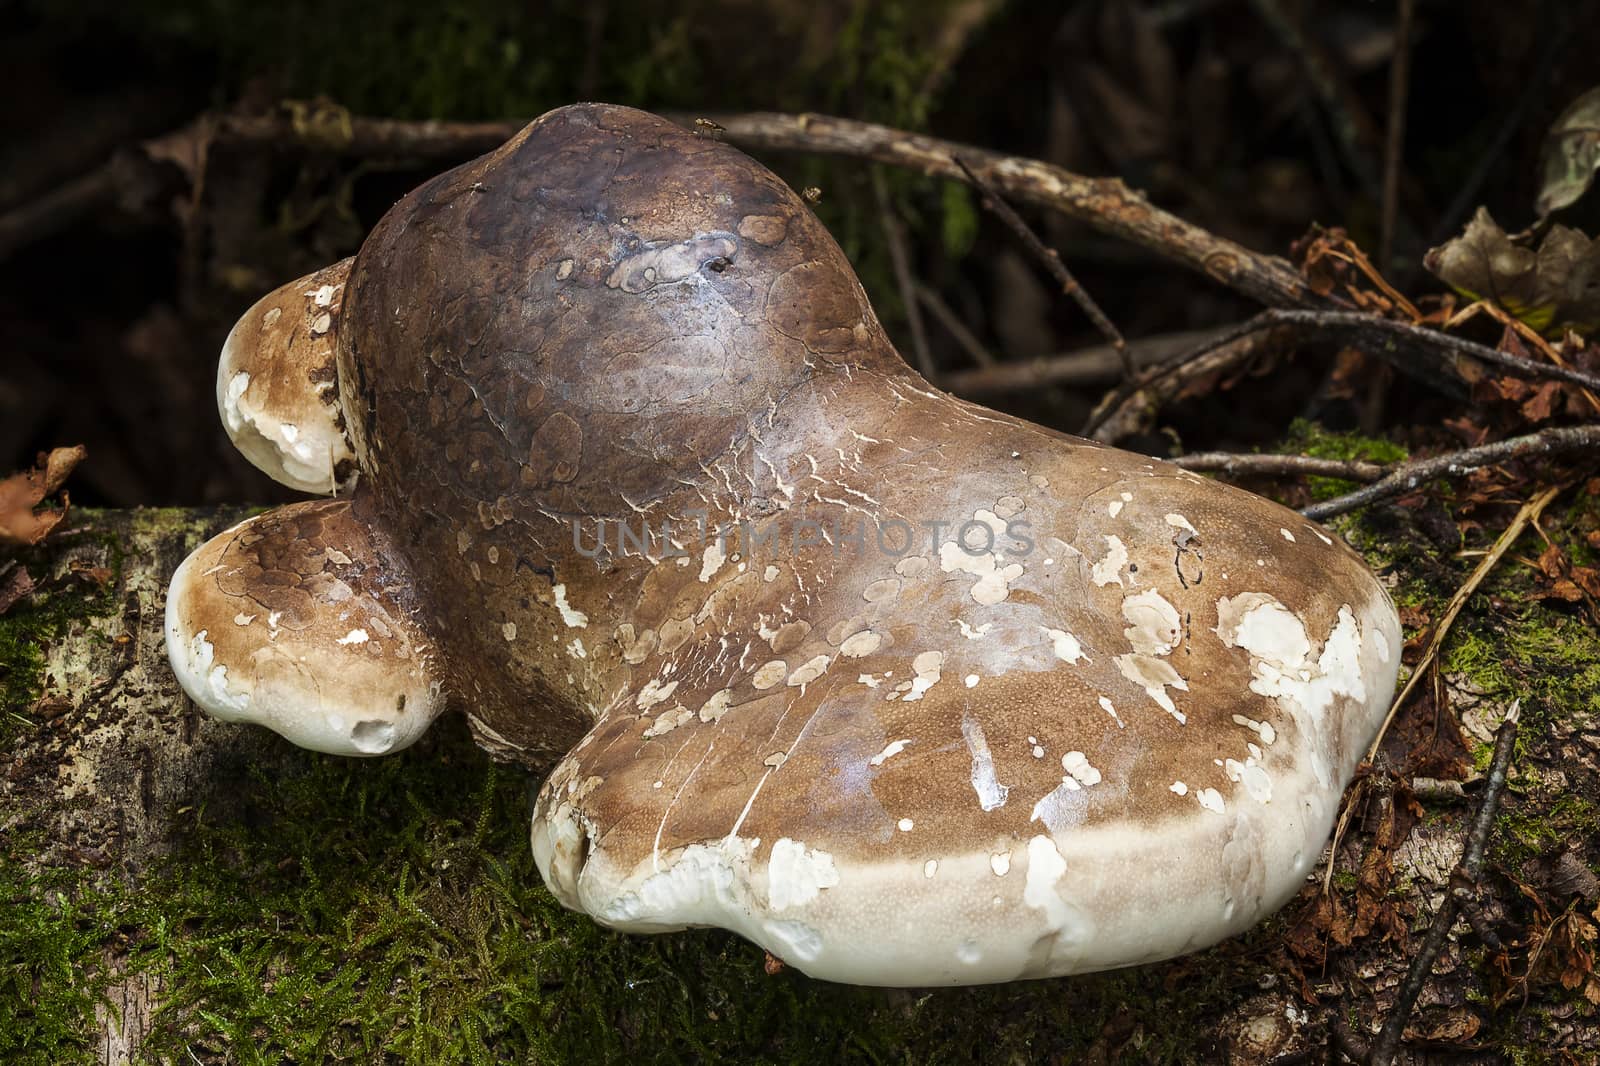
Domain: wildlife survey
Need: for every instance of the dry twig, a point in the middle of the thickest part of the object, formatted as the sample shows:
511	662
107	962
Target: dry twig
1095	365
1105	204
1403	478
953	325
1258	465
1529	512
1467	873
1390	339
1050	259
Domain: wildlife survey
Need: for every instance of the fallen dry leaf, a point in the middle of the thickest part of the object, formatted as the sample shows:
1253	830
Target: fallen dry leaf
20	493
1551	288
1571	154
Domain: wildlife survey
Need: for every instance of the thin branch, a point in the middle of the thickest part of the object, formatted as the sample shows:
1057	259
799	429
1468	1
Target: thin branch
953	325
894	236
1255	465
1388	1040
1104	204
1050	259
1559	440
322	130
1529	512
1394	142
1123	411
1095	365
1390	339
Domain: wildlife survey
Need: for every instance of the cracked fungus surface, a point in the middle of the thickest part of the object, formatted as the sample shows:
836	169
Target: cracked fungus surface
958	699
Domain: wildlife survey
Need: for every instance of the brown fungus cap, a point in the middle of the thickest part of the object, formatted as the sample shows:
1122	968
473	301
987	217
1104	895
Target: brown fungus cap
276	389
291	620
905	690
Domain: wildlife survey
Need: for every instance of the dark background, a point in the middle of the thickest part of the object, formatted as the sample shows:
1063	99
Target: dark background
111	317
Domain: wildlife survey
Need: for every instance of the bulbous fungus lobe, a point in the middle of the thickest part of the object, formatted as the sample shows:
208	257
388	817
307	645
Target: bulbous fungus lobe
950	699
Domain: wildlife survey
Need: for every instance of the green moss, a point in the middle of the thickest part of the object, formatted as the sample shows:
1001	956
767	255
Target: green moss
50	943
30	626
1309	438
389	911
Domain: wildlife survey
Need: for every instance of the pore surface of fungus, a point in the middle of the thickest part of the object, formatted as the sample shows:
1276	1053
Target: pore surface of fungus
906	691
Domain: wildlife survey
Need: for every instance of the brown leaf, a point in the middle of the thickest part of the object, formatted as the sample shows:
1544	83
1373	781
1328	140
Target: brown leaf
98	576
1543	403
22	492
1570	155
1550	288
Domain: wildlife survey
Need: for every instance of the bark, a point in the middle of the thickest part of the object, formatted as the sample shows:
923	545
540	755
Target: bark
115	753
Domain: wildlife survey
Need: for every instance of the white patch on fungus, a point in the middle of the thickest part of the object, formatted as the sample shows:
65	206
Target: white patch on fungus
1154	626
1064	644
893	748
1210	799
1155	676
1076	764
882	589
1110	708
911	566
809	671
1255	780
1281	656
971	632
712	558
1263	730
796	875
576	649
1109	568
1045	867
509	631
1179	788
1000	863
927	667
860	644
930	868
355	636
574	619
714	708
1287	535
1114	508
971	680
1177	521
906	825
991	793
654	692
769	674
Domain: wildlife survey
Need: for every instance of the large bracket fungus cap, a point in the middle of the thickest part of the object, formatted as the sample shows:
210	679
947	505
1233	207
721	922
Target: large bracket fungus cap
956	699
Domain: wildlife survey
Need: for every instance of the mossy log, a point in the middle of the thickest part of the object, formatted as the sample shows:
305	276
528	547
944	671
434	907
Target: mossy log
178	889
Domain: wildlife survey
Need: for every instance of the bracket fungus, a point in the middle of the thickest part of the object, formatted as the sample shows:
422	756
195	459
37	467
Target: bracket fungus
904	690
